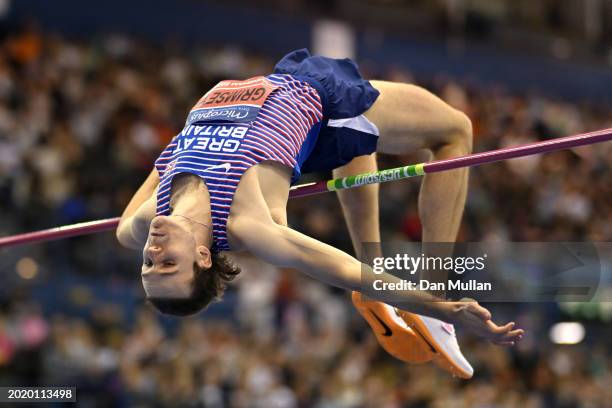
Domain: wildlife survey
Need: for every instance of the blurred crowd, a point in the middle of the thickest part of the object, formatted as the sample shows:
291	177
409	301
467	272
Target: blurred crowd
562	29
80	126
315	353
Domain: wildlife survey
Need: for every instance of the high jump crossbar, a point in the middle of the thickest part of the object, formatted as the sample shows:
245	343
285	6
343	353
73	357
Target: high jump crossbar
381	176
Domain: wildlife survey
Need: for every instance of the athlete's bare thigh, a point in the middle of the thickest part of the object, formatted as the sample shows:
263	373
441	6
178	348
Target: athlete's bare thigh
409	117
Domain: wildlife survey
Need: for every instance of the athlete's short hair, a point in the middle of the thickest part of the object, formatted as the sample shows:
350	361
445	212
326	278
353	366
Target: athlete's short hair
208	286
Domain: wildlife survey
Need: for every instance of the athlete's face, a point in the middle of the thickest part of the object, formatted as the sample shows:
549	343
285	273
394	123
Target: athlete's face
168	258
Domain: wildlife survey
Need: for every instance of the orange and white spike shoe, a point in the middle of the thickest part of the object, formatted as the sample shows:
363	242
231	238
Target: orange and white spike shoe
441	337
392	332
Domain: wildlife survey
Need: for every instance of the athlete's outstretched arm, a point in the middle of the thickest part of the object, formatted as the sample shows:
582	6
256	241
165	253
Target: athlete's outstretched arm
131	231
285	247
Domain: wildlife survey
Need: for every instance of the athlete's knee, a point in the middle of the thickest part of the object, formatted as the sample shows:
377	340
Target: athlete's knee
279	216
465	133
458	135
457	140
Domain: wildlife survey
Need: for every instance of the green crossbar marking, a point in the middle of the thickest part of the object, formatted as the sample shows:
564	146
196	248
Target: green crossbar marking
346	182
331	185
376	177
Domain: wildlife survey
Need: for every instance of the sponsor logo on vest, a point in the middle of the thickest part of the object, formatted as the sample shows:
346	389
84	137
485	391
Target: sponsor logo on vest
229	114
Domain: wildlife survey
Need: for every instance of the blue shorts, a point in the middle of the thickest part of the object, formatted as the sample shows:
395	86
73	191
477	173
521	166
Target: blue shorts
345	133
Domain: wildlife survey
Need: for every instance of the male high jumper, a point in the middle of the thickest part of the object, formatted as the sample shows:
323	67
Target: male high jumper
223	183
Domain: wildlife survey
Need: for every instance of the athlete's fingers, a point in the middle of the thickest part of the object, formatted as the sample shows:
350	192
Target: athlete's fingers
495	329
514	335
509	337
517	333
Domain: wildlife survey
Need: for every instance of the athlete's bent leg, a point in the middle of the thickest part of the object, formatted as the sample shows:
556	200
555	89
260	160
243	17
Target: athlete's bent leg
360	208
409	117
360	205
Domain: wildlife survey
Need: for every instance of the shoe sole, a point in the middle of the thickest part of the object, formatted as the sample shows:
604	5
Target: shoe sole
421	352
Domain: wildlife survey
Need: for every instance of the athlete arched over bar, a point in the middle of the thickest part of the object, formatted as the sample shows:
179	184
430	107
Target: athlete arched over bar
222	184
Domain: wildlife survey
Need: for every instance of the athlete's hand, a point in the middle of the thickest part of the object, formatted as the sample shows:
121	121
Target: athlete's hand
477	319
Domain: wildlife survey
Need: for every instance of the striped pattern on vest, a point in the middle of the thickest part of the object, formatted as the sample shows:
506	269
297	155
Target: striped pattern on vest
221	153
